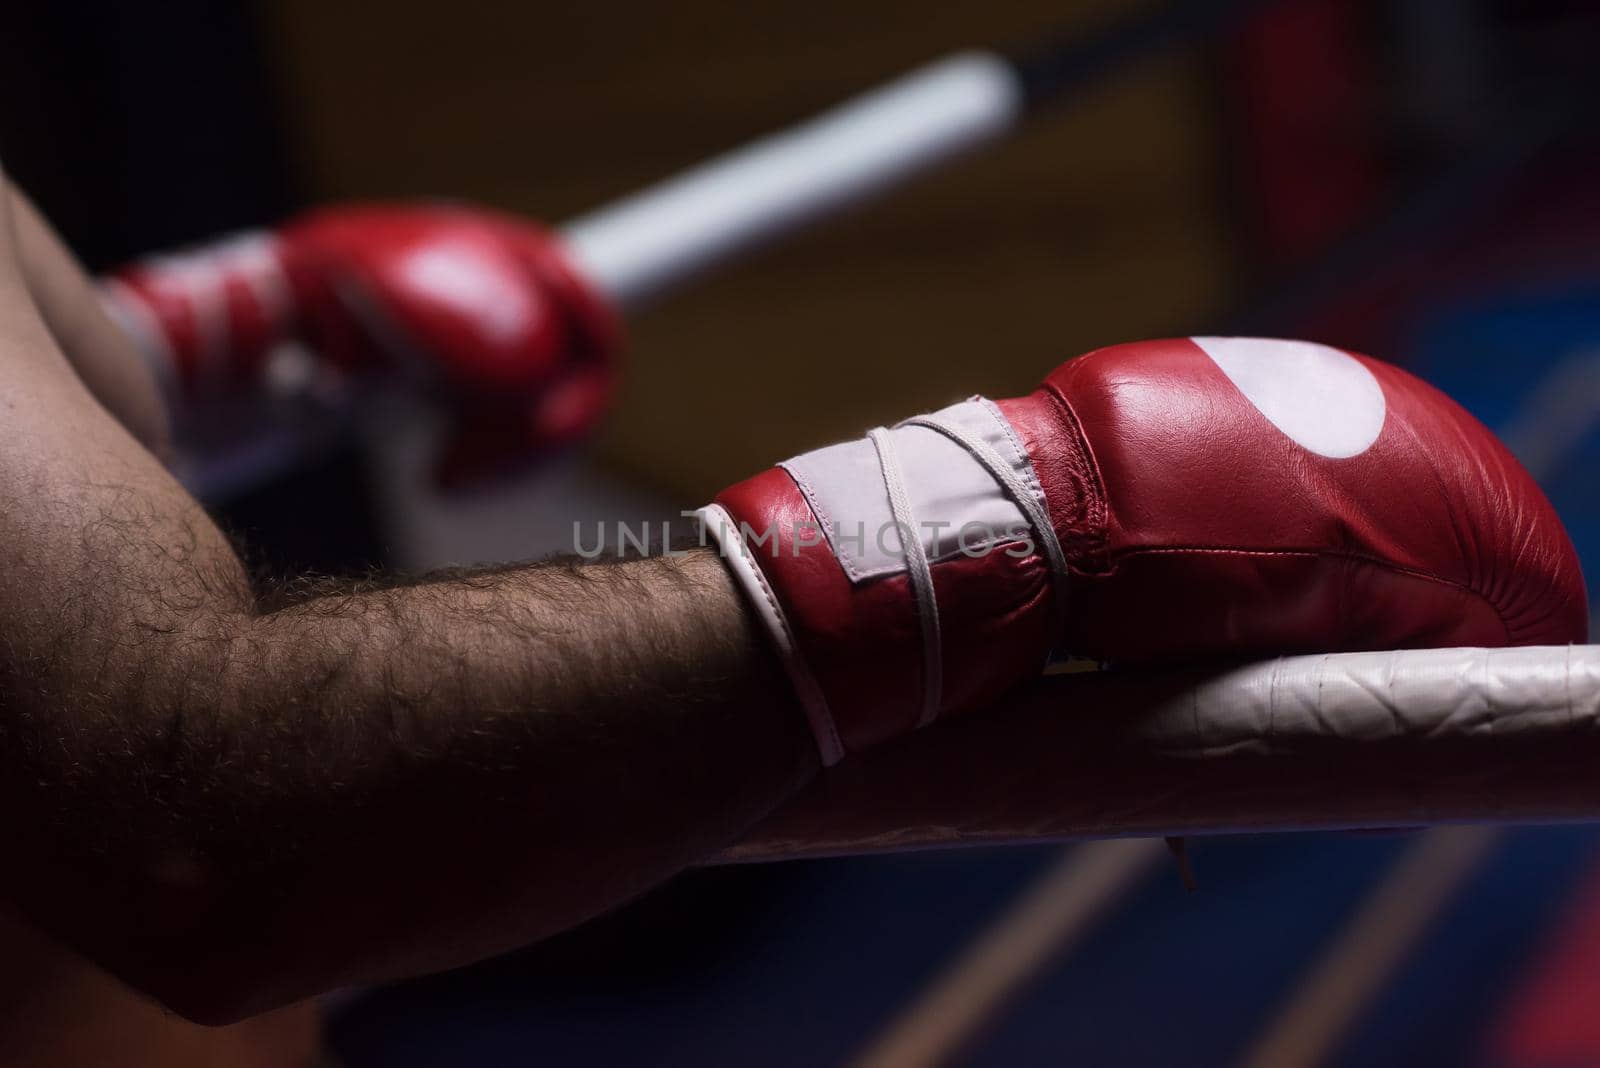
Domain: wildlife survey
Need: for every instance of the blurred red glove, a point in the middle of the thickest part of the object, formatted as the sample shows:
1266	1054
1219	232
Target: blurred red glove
477	308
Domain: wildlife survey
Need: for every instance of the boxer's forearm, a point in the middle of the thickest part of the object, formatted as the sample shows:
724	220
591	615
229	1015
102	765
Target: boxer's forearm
233	807
492	758
421	776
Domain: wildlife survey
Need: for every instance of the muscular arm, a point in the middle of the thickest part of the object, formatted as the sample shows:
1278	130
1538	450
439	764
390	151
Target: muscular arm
233	805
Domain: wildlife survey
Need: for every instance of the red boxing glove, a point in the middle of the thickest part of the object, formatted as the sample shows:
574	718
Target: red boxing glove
1159	501
479	305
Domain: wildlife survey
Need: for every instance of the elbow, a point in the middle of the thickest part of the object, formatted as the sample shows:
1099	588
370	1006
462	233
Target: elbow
213	975
216	986
172	932
208	957
206	994
201	984
205	984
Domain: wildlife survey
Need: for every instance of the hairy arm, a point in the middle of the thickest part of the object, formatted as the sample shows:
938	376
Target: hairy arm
233	805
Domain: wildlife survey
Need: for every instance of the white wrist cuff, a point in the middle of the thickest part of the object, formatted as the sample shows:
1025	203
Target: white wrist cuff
749	577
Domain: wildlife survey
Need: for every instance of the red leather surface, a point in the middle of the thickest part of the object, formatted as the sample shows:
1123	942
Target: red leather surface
466	288
481	307
210	314
1223	536
1195	528
863	643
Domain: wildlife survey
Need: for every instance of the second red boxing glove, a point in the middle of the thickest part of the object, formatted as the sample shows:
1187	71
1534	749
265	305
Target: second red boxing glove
479	308
1159	501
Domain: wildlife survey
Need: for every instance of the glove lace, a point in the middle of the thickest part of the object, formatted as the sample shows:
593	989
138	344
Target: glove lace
918	568
919	571
1019	492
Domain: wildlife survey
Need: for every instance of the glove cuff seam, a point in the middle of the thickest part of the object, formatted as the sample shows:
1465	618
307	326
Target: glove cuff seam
758	593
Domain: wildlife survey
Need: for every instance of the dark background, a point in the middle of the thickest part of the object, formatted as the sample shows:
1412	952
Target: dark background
1414	179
